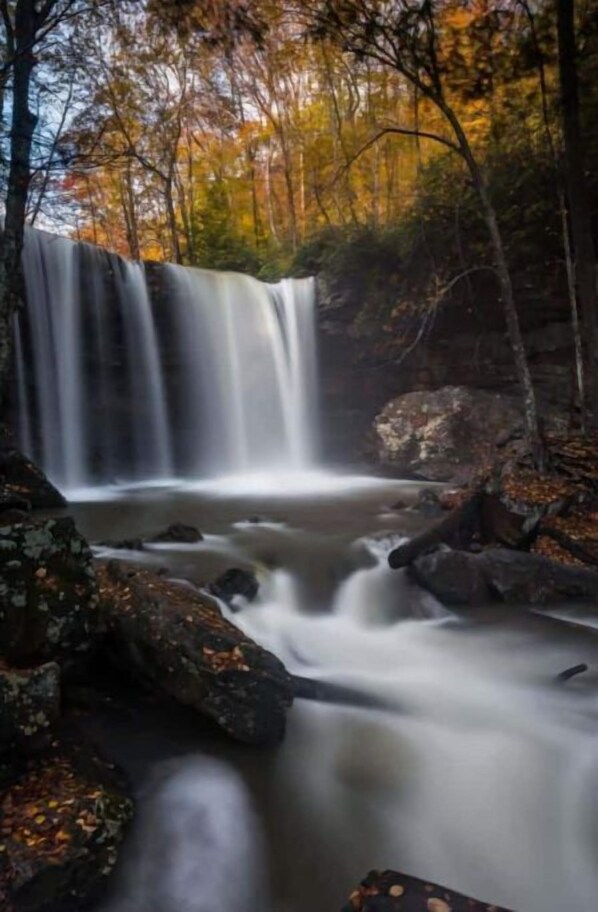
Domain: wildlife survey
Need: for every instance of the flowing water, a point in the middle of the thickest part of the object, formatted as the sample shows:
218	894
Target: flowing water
465	763
205	374
459	759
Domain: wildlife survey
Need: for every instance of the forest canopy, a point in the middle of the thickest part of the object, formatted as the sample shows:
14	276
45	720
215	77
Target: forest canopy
235	134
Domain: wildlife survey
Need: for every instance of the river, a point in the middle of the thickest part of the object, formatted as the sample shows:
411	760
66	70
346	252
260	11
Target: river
465	762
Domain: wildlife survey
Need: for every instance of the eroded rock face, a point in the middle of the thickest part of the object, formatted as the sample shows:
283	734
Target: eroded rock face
25	483
62	822
178	642
48	592
444	435
389	891
29	706
501	575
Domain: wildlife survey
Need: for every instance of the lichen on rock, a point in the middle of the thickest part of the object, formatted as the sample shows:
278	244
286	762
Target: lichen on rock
48	594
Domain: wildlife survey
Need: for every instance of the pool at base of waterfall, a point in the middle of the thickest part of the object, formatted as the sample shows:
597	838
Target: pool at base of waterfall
467	764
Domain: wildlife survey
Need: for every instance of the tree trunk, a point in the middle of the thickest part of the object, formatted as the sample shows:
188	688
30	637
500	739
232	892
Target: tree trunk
577	192
22	129
530	407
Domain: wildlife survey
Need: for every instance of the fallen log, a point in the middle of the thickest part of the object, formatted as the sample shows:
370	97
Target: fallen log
457	530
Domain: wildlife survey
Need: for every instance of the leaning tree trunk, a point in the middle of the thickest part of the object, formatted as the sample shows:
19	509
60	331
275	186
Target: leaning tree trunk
530	406
579	208
23	125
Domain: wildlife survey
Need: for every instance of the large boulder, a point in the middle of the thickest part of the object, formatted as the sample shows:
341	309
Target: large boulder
389	891
177	641
501	575
446	435
29	707
22	482
61	825
48	592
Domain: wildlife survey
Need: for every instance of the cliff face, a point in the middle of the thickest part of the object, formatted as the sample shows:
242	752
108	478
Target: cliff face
373	349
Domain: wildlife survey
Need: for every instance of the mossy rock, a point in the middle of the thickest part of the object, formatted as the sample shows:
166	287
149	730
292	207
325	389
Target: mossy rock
61	826
177	642
48	593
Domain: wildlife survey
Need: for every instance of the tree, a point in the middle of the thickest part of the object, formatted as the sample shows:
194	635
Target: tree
28	26
408	38
578	197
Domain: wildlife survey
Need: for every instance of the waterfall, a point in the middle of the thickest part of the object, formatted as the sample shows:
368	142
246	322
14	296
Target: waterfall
125	374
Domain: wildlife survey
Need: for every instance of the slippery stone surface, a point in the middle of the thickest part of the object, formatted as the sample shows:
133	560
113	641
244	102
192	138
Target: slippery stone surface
177	641
389	891
29	706
25	483
447	435
501	575
48	592
61	824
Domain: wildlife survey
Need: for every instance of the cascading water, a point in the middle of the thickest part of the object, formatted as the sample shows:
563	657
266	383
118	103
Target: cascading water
212	373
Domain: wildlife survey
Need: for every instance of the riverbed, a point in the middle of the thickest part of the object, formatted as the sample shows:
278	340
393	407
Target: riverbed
465	762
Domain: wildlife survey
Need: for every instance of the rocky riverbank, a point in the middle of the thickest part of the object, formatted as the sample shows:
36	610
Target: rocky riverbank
70	624
513	534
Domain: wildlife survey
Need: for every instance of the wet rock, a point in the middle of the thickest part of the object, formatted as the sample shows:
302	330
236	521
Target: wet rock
501	575
428	504
389	891
123	544
448	434
235	582
177	642
453	577
178	532
29	707
47	592
23	481
62	823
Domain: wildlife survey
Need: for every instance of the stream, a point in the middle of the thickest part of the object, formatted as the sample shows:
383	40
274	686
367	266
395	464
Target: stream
465	763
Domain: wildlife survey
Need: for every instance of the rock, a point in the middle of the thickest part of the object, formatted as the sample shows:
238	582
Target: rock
63	821
446	435
235	582
176	641
178	532
389	891
29	706
428	504
26	483
453	577
501	575
47	592
123	544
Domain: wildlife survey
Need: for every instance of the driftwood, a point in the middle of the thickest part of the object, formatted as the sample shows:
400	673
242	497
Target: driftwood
457	530
572	672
